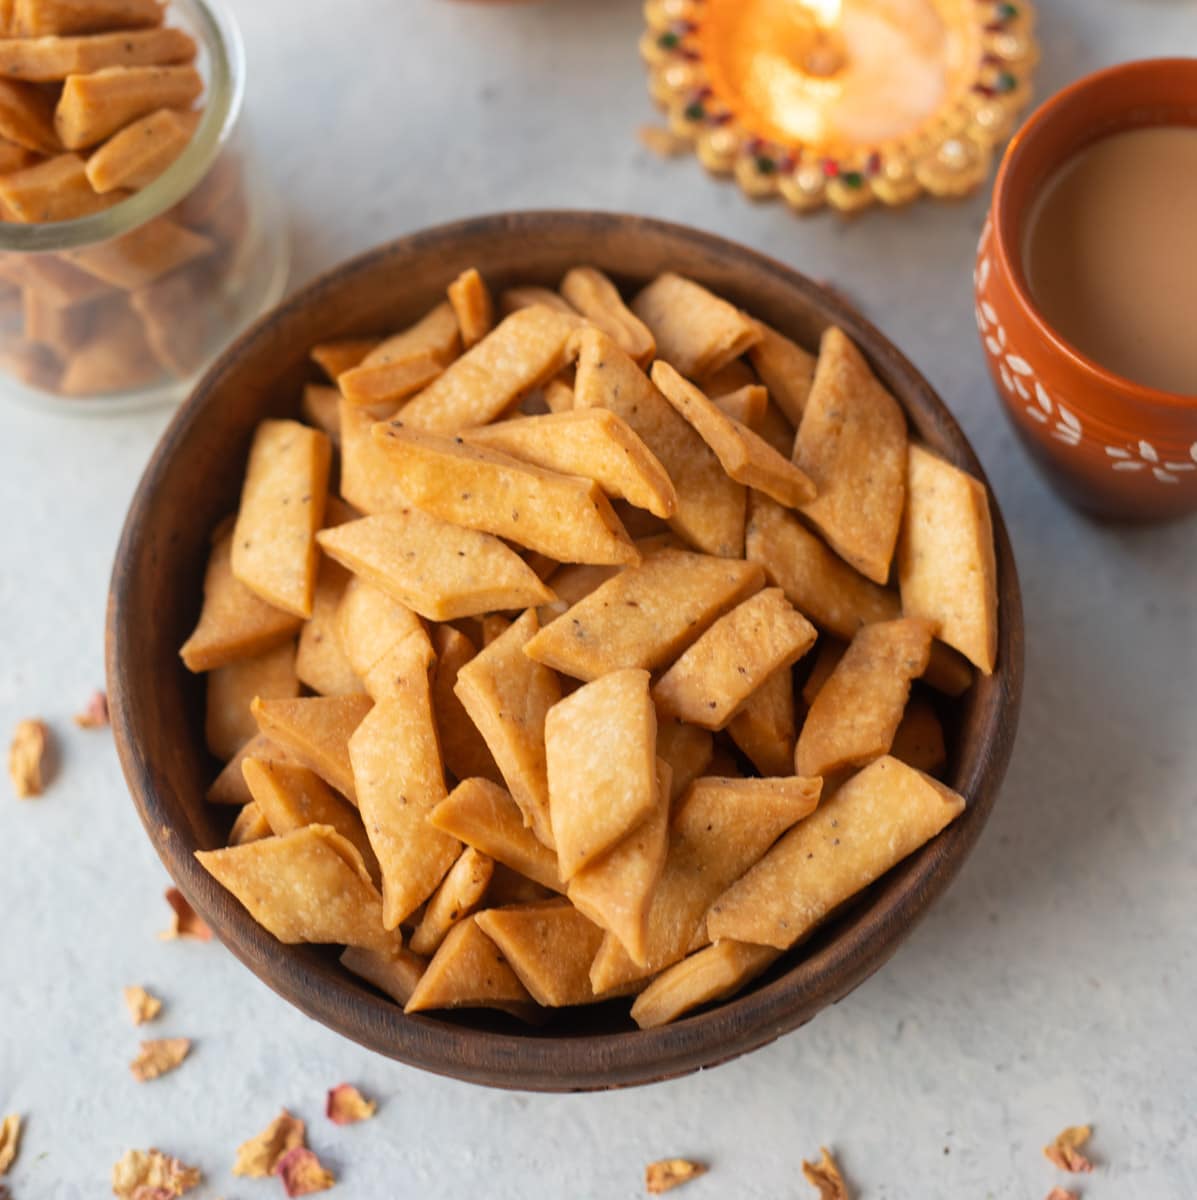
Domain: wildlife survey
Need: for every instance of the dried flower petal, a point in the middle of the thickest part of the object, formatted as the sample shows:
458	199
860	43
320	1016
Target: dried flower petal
260	1155
185	922
302	1172
95	715
142	1005
158	1056
669	1173
1059	1193
152	1175
1065	1151
346	1105
27	756
825	1175
10	1141
663	141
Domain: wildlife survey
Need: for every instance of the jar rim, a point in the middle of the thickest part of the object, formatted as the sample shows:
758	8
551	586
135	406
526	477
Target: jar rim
221	38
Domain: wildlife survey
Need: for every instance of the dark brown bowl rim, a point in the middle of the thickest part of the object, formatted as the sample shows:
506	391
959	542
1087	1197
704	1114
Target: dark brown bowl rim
592	1062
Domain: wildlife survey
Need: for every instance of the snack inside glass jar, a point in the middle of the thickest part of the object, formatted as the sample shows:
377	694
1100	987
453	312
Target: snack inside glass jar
120	308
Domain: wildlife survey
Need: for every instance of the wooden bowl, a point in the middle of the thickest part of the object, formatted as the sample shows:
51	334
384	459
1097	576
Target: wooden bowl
193	480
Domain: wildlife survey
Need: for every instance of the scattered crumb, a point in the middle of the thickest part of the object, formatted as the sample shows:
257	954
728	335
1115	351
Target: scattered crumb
152	1175
158	1056
142	1005
95	715
1059	1193
669	1173
259	1156
346	1105
27	755
185	922
1065	1151
10	1141
302	1172
825	1175
663	141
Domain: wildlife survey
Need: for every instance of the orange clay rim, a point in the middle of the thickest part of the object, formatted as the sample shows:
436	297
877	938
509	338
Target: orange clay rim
1038	125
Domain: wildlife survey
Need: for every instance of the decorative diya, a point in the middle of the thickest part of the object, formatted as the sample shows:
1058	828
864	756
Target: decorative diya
842	102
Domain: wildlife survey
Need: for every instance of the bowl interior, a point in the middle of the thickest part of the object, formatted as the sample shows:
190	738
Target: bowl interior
193	480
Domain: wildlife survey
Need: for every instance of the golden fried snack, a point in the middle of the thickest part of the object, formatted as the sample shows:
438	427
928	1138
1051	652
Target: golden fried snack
876	819
852	445
947	571
94	106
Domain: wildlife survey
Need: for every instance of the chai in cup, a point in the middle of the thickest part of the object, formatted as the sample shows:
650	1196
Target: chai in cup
1110	254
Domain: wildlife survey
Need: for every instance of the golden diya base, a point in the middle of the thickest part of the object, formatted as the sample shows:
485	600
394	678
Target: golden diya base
795	108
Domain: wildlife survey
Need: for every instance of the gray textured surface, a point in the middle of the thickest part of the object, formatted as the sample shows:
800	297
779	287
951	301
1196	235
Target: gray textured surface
1054	984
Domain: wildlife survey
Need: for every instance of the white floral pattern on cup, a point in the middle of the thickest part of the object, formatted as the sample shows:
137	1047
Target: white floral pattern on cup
1145	457
1018	378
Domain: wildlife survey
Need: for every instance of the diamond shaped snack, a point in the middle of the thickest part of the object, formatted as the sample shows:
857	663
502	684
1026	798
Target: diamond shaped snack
598	300
369	623
946	566
564	516
469	971
483	815
706	975
367	480
234	622
720	828
786	369
232	689
508	695
856	713
763	728
320	661
307	886
719	672
524	351
852	444
686	750
457	896
881	815
696	331
315	730
472	306
600	748
282	507
290	797
746	457
817	582
710	507
549	946
591	442
440	570
646	615
463	747
398	780
616	890
436	333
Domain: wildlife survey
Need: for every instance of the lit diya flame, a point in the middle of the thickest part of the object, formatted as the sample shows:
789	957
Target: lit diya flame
842	102
834	74
826	54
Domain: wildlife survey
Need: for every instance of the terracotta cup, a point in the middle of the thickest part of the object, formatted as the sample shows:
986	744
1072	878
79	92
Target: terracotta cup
1113	447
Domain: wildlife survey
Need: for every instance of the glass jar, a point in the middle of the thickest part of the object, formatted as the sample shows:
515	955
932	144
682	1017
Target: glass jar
121	308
